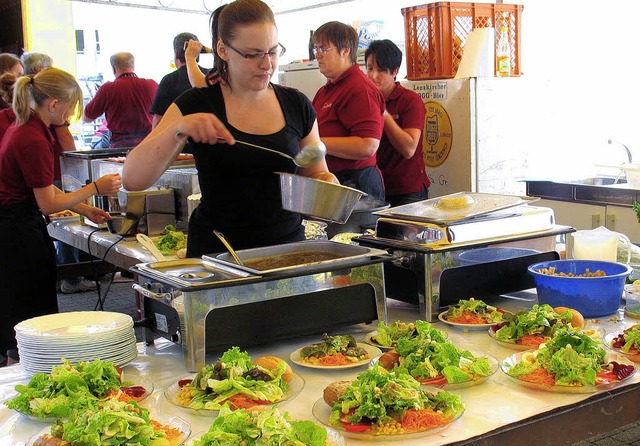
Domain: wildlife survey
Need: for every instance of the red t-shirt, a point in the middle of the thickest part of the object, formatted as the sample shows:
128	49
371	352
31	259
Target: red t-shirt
26	161
350	106
7	117
125	103
403	176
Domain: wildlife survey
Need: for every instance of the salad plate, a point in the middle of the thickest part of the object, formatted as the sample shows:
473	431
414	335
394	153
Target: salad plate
370	349
171	394
595	333
370	338
443	318
180	427
493	364
633	354
333	439
514	359
322	412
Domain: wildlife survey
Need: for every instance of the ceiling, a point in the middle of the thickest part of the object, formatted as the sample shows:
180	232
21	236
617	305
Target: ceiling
208	6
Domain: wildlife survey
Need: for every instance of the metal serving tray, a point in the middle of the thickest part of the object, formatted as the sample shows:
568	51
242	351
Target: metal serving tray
186	273
349	255
430	211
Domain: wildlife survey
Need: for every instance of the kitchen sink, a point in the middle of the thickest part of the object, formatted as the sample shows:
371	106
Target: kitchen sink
599	181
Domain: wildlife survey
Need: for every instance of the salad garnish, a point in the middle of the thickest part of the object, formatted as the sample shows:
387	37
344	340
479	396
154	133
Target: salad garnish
70	387
388	335
114	422
389	403
268	427
569	358
628	341
334	351
532	327
435	362
233	378
474	311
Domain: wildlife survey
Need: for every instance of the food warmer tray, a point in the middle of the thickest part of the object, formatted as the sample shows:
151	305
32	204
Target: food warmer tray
430	211
193	273
342	255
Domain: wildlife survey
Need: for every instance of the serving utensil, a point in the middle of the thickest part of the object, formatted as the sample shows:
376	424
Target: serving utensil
228	246
148	243
308	156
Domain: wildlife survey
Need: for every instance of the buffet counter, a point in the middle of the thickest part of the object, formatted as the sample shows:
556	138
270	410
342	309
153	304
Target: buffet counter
498	411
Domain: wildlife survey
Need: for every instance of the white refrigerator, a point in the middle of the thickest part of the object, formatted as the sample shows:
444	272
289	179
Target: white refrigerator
473	133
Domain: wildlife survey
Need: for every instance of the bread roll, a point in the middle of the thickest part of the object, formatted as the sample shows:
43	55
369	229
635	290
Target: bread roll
577	320
334	391
50	440
389	360
271	363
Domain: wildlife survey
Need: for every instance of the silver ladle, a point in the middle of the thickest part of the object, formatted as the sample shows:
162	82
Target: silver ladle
308	156
228	246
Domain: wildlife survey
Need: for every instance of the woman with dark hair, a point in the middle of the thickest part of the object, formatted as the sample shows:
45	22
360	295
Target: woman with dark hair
349	110
400	154
240	192
28	268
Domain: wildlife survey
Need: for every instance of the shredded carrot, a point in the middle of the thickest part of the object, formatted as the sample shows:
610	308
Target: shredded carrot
540	376
337	359
242	401
173	433
423	419
467	317
533	340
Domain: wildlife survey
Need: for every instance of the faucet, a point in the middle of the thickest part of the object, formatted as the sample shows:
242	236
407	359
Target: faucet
629	156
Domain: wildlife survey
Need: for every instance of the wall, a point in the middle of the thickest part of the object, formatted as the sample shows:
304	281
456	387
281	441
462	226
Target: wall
578	89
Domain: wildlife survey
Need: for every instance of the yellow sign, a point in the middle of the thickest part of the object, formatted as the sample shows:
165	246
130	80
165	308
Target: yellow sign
437	136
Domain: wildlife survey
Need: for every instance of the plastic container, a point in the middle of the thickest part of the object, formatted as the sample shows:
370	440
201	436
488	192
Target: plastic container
591	296
493	254
435	35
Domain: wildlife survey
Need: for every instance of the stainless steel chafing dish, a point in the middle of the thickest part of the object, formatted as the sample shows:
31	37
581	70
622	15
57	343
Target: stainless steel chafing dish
209	304
428	245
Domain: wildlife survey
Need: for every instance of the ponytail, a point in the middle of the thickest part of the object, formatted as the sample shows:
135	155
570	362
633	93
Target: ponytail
22	99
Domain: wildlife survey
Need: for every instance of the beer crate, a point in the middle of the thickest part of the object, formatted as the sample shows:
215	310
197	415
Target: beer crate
435	35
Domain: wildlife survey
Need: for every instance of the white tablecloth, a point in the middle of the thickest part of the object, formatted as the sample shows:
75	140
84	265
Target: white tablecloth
493	404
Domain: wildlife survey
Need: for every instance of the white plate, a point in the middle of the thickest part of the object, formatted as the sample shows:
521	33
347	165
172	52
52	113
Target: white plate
373	352
512	360
443	318
608	338
322	412
369	338
598	334
171	393
333	438
173	422
493	363
74	324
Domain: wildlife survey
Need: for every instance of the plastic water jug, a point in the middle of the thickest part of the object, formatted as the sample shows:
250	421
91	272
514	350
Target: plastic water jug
600	244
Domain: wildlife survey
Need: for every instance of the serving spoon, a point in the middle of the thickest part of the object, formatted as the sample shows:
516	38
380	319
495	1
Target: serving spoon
307	157
228	246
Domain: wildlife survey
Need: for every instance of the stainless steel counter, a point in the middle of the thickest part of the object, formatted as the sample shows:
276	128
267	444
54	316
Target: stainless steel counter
584	191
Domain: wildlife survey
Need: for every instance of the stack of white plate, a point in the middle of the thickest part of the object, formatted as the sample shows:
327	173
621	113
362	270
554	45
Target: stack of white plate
77	336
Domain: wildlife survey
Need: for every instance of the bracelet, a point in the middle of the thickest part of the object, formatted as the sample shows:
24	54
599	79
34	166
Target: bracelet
96	186
385	113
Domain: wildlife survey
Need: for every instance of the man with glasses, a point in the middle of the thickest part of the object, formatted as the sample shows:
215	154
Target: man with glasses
349	109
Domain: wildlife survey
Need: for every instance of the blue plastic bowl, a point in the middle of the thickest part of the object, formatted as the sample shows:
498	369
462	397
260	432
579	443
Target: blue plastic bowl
591	296
493	254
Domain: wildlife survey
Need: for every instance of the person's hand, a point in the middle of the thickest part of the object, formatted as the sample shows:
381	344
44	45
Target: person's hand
204	128
109	184
325	176
193	49
95	214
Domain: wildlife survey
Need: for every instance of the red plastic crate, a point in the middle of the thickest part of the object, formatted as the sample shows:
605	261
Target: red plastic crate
435	35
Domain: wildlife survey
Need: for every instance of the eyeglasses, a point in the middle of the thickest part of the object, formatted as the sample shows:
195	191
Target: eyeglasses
278	52
322	50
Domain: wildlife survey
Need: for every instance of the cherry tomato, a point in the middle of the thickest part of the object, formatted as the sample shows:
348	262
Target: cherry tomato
360	427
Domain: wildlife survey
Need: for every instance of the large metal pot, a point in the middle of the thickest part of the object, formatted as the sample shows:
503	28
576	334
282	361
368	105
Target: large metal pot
361	219
316	198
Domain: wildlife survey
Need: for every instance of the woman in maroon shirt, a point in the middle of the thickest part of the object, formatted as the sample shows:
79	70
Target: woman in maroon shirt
28	263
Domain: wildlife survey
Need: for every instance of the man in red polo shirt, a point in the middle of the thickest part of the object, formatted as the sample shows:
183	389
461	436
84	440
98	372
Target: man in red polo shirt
125	103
